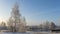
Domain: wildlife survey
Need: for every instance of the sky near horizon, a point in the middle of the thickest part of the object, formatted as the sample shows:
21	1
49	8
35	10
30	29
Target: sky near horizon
35	11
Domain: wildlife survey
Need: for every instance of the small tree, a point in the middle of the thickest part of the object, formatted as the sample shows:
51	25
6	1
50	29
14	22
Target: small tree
3	24
52	25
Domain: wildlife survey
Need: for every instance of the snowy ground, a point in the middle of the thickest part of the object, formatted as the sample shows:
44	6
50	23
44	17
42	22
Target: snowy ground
31	33
42	33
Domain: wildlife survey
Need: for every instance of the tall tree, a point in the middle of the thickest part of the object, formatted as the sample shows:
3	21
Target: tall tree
15	19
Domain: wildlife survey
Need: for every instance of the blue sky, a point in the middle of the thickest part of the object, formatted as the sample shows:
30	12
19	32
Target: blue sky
35	11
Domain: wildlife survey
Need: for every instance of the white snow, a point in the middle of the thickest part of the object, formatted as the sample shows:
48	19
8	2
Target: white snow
30	33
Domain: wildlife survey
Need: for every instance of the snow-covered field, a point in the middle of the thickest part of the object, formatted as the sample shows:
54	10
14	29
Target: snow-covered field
42	33
31	33
46	33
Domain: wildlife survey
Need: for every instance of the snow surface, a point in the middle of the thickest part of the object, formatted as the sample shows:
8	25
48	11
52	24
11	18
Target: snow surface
30	33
